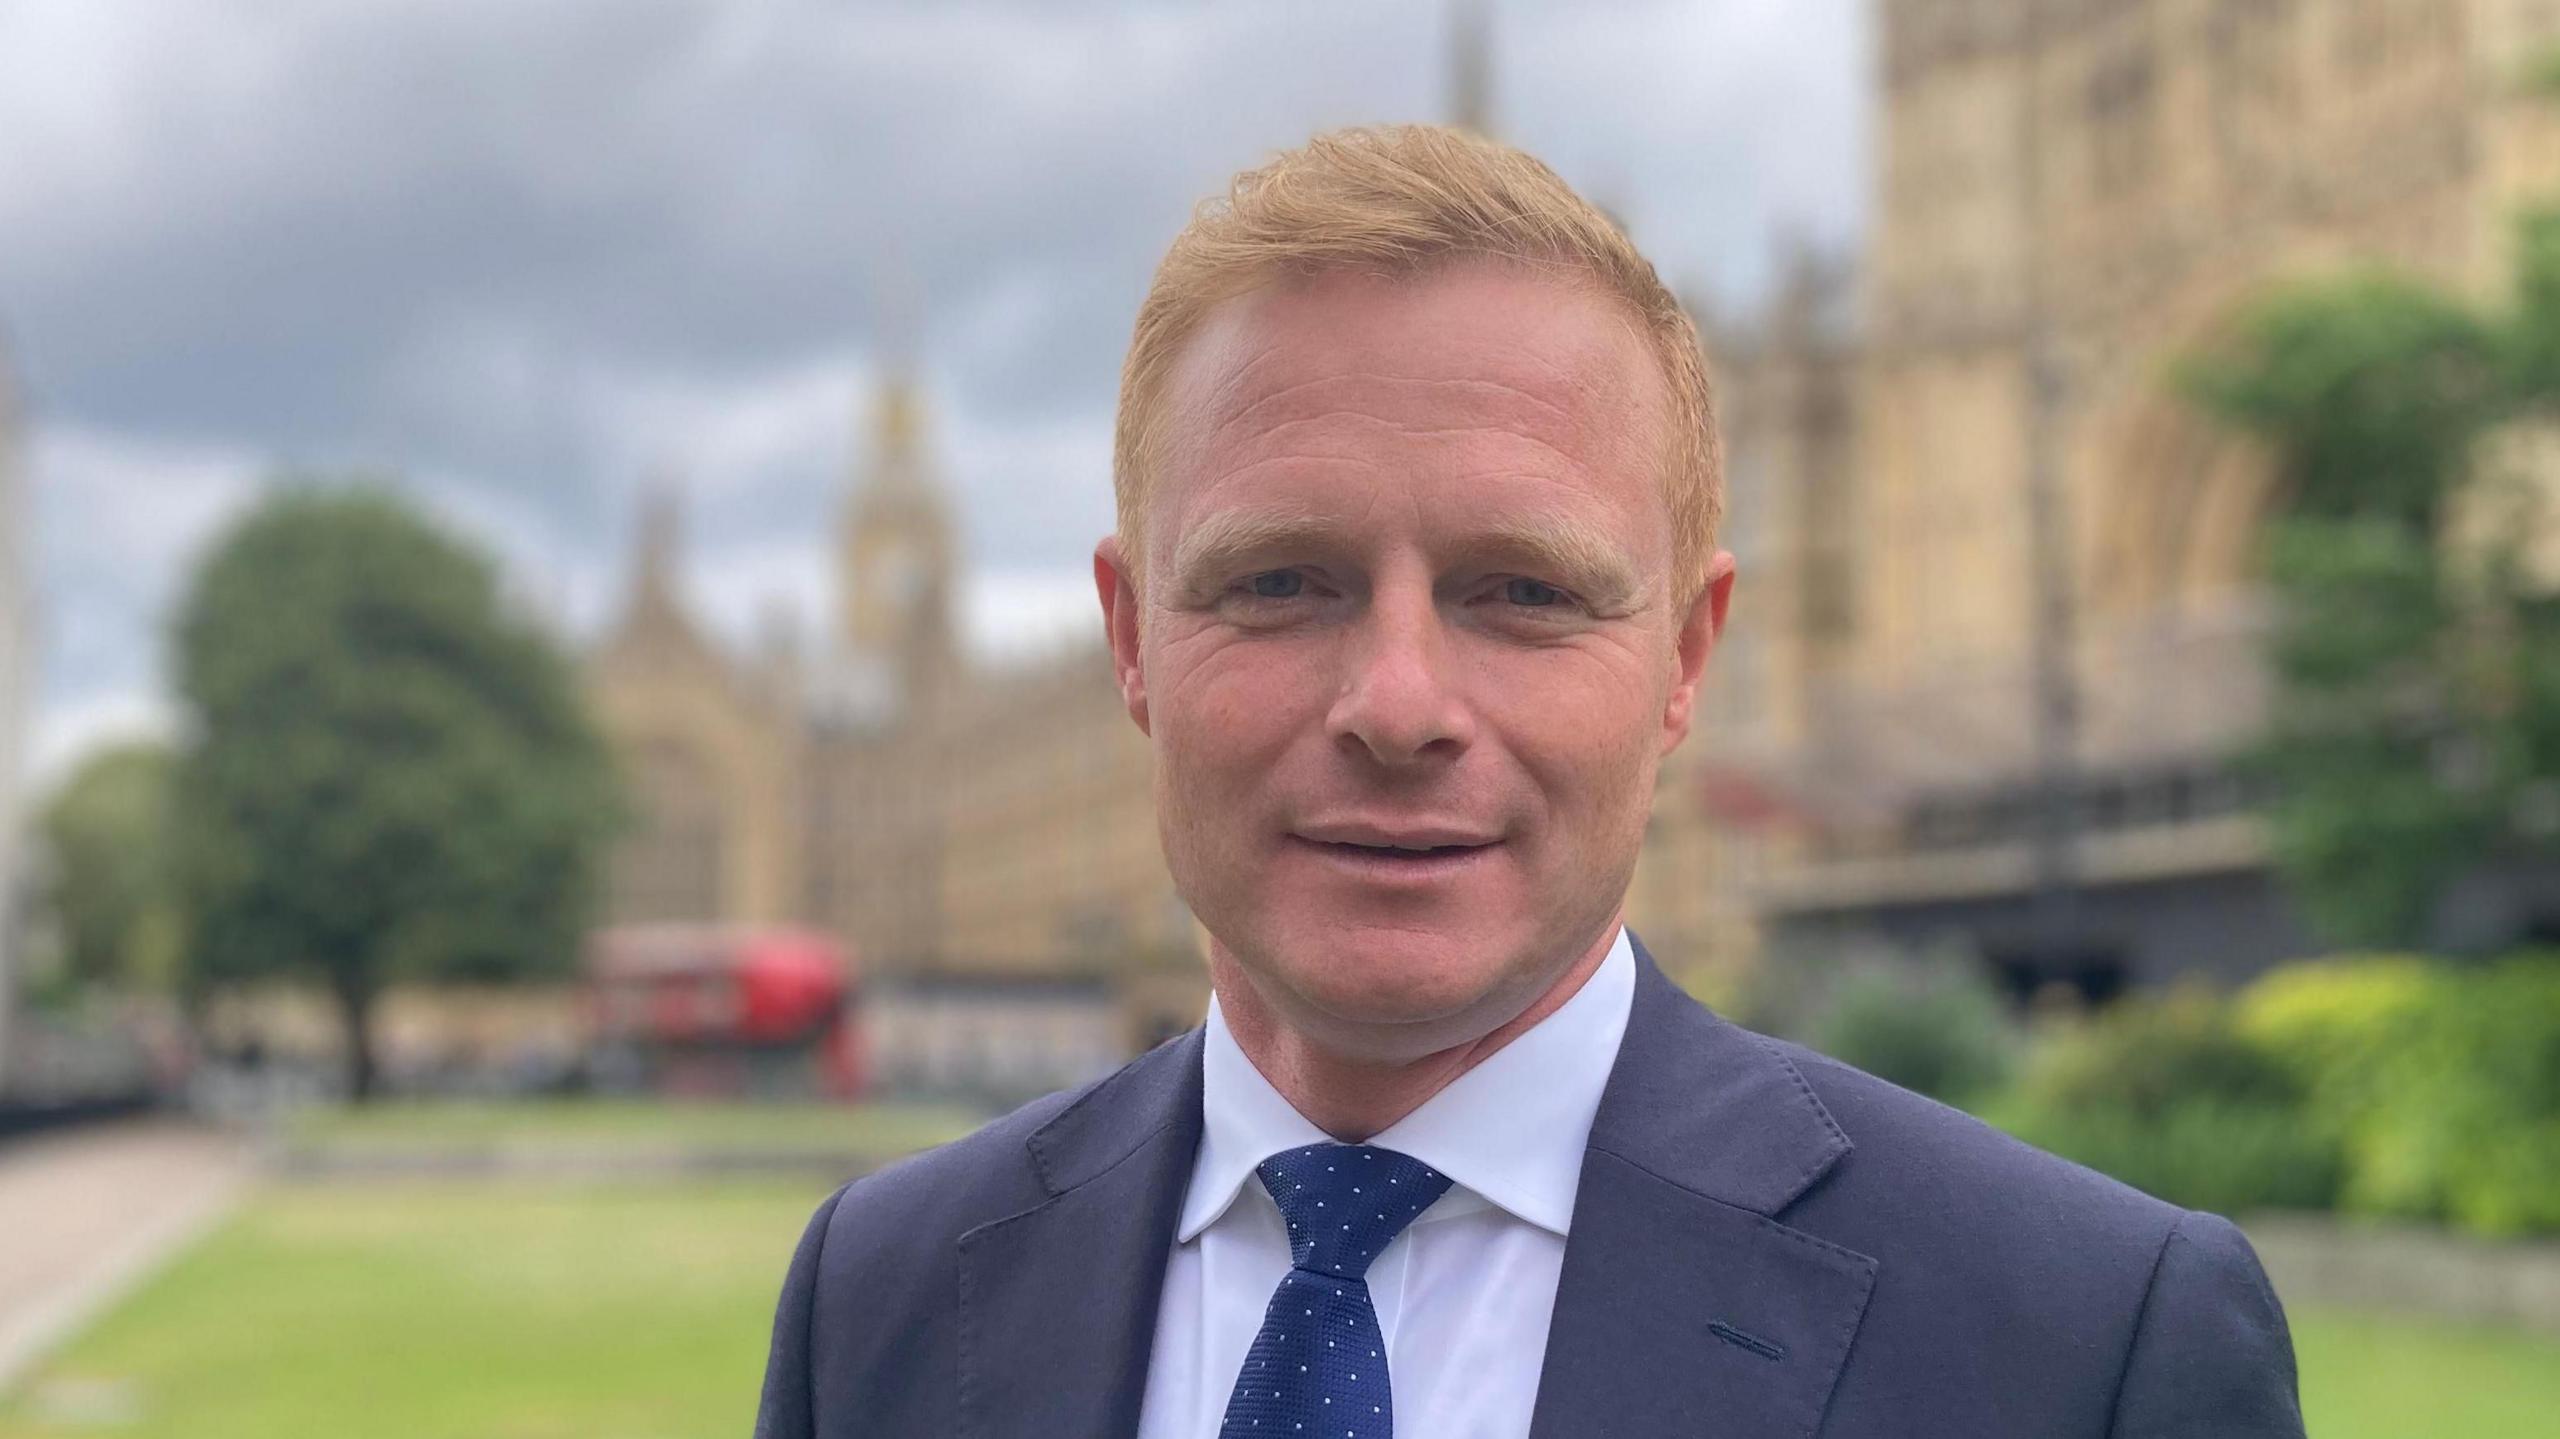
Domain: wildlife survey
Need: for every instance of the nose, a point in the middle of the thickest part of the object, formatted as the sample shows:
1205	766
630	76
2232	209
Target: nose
1400	700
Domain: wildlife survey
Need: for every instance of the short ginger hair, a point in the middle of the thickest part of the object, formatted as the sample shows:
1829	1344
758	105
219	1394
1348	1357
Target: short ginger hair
1397	201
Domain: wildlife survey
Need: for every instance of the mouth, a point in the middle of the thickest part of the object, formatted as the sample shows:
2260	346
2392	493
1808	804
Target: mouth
1399	862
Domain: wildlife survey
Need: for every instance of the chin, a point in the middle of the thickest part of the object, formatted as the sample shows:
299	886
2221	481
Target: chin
1389	976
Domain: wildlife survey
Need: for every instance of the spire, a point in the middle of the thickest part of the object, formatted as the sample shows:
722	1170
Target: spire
897	409
654	574
898	551
896	302
898	429
1471	67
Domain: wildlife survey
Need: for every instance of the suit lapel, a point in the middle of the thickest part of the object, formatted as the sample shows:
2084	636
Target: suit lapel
1684	1306
1057	1304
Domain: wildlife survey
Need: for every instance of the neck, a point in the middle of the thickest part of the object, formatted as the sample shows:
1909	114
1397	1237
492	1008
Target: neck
1352	1097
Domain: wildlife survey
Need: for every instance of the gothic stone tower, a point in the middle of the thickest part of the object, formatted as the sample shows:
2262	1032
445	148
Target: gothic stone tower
898	557
2071	195
711	756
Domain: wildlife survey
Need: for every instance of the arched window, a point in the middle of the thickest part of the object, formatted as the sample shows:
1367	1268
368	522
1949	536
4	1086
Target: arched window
668	866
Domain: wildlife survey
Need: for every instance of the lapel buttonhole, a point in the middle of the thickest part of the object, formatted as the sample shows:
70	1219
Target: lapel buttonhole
1740	1340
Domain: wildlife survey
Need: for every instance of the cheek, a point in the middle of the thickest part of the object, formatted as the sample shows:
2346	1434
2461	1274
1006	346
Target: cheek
1224	709
1587	735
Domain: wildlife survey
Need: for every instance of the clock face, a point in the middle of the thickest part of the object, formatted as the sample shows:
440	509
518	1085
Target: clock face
901	574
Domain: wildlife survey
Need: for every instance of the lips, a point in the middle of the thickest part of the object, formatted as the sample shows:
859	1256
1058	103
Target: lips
1401	852
1406	838
1397	854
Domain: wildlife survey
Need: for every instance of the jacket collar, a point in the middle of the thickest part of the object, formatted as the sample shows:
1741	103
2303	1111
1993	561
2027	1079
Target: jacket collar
1708	1105
1685	1305
1683	1302
1057	1304
1711	1107
1509	1131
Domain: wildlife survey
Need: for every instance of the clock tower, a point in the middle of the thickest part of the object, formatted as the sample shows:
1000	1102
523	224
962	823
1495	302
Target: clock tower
897	554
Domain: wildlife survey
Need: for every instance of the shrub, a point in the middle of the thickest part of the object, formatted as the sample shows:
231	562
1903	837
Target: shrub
1928	1029
1929	1021
2336	1023
2442	1080
2203	1153
2391	1085
2461	1119
2168	1095
2148	1055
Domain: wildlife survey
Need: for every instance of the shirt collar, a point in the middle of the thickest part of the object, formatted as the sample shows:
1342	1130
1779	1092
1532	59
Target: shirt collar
1511	1130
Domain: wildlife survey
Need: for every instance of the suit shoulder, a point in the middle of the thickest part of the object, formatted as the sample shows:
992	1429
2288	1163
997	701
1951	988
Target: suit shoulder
1934	1160
989	1173
949	1186
2015	1292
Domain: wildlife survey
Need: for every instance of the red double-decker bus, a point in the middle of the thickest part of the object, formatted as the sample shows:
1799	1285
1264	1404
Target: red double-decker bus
723	1010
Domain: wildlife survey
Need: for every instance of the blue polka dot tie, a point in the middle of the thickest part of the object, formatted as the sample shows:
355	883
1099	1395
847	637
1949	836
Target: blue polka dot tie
1318	1368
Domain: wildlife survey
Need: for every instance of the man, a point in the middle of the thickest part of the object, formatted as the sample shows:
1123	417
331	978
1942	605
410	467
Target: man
1413	586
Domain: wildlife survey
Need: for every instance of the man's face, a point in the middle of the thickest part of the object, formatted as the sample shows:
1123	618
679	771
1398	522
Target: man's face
1407	642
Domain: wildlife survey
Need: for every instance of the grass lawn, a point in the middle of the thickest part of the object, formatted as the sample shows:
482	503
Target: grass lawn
622	1125
536	1310
2368	1376
443	1311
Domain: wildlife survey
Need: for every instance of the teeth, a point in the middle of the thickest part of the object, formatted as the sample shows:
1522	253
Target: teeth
1395	848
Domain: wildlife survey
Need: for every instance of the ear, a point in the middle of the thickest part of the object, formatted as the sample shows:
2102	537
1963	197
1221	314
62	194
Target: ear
1113	583
1700	628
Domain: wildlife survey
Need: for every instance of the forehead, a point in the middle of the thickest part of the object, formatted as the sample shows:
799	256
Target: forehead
1478	371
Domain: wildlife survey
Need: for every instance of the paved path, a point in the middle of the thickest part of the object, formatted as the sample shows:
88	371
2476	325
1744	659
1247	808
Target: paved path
86	1214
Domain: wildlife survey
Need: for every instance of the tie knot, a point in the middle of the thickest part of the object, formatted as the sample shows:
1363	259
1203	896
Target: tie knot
1345	1201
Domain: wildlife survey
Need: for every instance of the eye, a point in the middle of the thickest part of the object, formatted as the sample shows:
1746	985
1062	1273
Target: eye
1531	593
1276	585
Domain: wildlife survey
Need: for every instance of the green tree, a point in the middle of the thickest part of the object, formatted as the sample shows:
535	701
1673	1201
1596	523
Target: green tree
2529	679
2417	683
390	775
109	886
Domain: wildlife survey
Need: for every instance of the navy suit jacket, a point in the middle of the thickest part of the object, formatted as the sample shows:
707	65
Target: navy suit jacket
1766	1243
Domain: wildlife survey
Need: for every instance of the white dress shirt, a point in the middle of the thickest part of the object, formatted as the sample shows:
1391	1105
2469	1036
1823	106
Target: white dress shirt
1465	1292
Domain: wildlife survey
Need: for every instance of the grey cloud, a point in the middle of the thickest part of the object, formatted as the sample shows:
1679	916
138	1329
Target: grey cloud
529	253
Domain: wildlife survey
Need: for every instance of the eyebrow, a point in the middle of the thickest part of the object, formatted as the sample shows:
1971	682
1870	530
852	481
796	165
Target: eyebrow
1571	551
1222	540
1587	561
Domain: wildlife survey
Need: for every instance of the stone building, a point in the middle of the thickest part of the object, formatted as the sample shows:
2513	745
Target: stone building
1989	556
984	839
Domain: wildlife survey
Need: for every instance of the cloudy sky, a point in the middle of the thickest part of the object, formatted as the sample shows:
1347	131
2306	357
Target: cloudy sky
533	257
